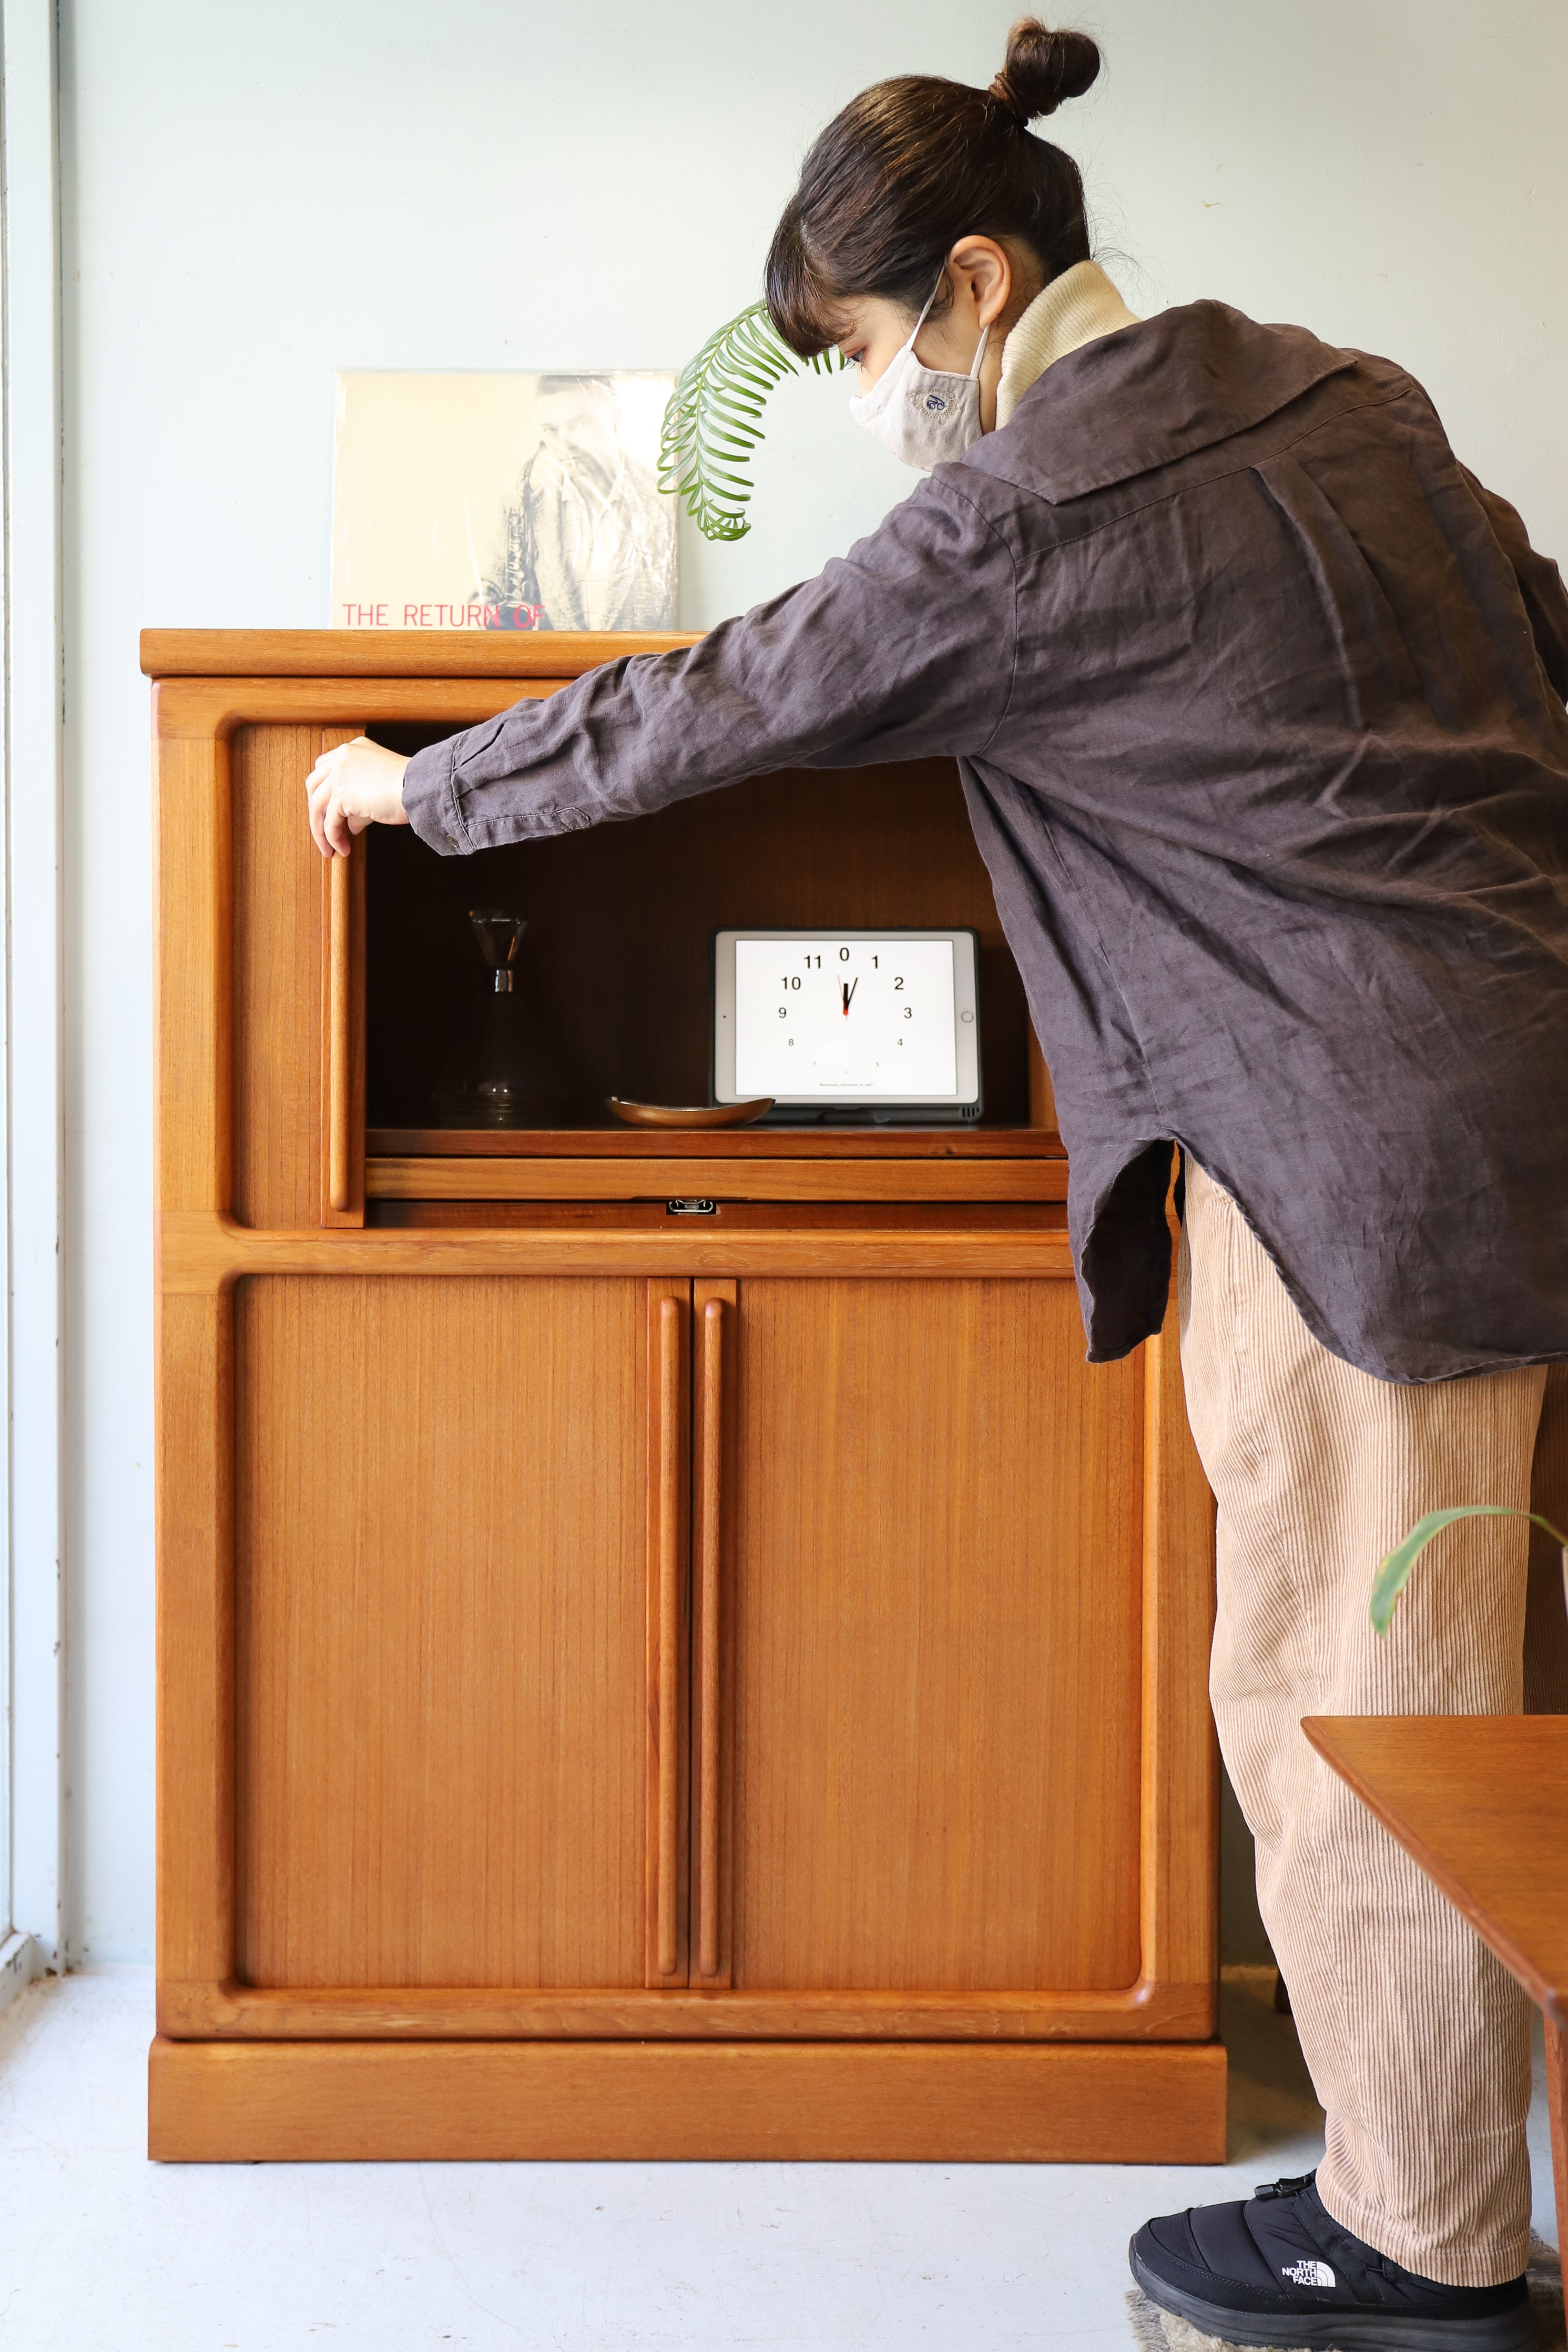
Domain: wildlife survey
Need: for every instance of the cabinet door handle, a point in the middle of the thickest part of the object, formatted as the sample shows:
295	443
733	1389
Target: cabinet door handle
671	1569
709	1605
340	1169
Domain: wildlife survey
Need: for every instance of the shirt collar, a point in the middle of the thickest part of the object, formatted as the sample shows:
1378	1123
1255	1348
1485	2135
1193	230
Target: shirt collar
1073	310
1164	388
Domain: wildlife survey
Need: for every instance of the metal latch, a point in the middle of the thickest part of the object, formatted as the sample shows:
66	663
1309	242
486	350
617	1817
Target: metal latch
691	1208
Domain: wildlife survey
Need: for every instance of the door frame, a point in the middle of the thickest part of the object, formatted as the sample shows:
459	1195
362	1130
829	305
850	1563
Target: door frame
32	1103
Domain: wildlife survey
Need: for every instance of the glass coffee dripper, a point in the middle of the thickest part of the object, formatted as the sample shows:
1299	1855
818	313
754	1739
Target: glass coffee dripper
498	1074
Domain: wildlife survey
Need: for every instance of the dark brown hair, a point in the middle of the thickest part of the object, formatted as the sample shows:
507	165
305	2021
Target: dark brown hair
912	166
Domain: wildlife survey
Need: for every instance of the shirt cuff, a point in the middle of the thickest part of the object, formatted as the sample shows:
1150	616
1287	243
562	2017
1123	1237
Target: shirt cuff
430	800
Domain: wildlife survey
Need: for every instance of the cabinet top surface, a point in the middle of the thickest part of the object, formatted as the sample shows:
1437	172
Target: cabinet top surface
392	653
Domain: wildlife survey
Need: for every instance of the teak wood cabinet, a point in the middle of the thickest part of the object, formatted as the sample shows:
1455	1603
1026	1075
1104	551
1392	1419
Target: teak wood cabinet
632	1683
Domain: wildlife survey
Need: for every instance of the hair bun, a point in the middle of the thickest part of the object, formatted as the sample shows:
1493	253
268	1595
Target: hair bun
1043	67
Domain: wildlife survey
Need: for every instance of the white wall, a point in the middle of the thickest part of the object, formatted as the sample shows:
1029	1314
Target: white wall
253	197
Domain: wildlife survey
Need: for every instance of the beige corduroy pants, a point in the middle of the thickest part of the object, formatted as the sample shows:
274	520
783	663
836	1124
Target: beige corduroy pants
1417	2041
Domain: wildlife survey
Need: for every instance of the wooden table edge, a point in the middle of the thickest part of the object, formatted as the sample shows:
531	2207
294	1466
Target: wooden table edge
1550	1998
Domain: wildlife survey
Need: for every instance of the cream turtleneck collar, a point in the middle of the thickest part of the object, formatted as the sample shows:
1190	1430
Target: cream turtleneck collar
1074	309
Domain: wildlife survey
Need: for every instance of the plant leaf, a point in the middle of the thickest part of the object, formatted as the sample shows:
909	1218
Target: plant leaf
1394	1574
712	424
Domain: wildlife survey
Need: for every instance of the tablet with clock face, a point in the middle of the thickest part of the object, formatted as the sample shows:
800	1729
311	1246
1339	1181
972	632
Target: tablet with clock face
879	1024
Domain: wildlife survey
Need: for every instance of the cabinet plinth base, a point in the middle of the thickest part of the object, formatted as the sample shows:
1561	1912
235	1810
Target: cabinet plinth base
293	2102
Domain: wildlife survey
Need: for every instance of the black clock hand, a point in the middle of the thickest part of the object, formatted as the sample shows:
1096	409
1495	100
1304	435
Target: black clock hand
846	989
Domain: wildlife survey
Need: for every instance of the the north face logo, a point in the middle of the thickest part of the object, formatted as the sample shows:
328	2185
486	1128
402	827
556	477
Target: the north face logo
1309	2274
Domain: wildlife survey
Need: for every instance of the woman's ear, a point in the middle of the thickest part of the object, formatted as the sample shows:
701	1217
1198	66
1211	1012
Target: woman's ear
982	266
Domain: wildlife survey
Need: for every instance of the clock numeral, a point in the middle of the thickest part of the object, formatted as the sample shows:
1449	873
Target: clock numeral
844	955
898	984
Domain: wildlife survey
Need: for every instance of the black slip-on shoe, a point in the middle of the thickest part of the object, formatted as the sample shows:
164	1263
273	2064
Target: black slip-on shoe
1279	2270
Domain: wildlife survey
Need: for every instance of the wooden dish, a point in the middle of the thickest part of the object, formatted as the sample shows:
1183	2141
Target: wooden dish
689	1115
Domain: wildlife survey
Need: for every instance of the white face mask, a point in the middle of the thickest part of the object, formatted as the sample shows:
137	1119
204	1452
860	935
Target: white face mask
924	415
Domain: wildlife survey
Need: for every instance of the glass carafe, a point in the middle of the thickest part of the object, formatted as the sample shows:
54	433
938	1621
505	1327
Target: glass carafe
499	1074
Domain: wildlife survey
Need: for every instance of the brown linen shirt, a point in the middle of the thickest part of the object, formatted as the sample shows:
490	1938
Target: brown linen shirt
1257	698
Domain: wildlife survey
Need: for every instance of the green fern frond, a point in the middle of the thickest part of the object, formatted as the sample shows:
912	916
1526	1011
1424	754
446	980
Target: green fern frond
712	426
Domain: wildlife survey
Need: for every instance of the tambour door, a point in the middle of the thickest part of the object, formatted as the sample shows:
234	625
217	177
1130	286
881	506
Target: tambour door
932	1769
443	1489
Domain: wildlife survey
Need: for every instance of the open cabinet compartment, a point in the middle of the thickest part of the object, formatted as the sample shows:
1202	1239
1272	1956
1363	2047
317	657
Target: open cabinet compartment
616	963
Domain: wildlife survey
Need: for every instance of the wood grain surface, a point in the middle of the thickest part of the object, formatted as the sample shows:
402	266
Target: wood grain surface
192	1038
422	2102
1018	1219
666	1776
342	1033
716	1388
503	655
608	1179
213	709
1481	1802
194	1405
213	2011
989	1140
709	1580
937	1640
278	980
282	991
205	1255
195	1639
439	1632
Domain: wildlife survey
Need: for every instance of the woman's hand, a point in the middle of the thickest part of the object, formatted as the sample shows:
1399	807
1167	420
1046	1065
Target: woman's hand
356	786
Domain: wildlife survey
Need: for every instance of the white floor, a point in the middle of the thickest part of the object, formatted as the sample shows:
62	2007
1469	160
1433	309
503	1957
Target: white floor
101	2251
